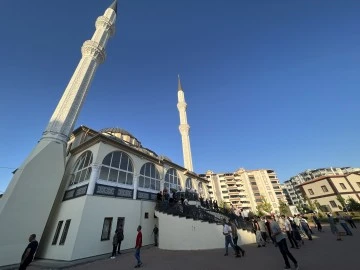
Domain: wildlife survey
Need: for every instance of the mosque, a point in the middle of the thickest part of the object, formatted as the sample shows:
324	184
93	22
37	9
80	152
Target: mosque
78	185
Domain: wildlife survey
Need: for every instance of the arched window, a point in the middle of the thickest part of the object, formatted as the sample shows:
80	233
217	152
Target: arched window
149	177
172	180
82	168
188	183
117	167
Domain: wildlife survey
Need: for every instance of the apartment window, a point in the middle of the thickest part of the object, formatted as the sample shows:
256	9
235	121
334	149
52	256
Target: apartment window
105	234
333	204
253	183
57	232
311	192
342	186
256	194
146	215
358	183
324	188
223	186
65	231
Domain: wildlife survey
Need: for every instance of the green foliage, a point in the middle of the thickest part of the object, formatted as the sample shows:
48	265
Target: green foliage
341	201
264	206
284	208
353	205
310	204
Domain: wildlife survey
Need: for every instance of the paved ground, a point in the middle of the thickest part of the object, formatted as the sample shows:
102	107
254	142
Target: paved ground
324	252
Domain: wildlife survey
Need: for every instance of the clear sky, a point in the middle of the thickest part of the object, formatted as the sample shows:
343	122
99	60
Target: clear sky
269	84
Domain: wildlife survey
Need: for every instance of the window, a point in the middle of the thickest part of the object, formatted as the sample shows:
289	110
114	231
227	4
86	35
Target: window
358	183
188	183
172	180
253	183
146	216
311	192
223	186
117	167
149	177
342	186
324	188
82	168
333	204
105	234
201	188
65	231
57	232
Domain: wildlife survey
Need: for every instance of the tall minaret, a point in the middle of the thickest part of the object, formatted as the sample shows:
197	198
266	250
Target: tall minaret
28	201
184	128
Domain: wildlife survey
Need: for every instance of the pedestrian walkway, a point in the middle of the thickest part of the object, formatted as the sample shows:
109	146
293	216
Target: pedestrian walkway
324	252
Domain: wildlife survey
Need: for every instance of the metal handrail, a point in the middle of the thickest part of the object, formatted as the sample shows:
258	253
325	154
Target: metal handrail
188	211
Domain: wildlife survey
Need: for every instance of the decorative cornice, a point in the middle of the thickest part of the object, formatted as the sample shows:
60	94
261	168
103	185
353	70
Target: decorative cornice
181	105
105	23
92	49
184	129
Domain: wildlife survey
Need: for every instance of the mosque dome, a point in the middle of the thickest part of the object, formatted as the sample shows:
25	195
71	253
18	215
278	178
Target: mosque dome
165	158
121	134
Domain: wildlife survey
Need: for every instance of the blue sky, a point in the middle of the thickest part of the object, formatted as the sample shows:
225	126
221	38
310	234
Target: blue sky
269	84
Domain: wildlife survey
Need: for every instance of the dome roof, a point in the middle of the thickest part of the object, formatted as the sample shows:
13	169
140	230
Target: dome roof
165	158
116	130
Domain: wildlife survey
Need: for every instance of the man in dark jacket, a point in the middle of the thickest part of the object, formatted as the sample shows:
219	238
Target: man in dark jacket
120	236
29	252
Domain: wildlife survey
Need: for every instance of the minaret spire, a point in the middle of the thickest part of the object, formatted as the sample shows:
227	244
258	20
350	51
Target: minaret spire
184	128
66	113
114	6
38	185
179	83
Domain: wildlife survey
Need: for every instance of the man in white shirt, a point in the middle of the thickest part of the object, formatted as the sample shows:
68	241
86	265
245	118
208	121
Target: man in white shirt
228	240
288	230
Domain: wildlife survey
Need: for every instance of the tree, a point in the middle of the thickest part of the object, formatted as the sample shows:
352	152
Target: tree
264	207
310	204
284	208
353	205
341	201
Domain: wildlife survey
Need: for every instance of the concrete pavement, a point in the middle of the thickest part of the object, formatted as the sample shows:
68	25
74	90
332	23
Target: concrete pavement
324	252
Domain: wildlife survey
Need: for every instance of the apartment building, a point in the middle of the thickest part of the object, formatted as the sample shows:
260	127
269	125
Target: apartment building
245	188
325	189
292	191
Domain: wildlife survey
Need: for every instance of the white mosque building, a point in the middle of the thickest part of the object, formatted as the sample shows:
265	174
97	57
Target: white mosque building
77	186
110	179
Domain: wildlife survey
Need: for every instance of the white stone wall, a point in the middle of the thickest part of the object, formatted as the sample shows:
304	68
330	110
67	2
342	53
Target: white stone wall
87	215
177	233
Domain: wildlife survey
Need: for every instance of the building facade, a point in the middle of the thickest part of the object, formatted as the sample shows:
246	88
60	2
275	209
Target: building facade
245	189
324	191
292	191
110	179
